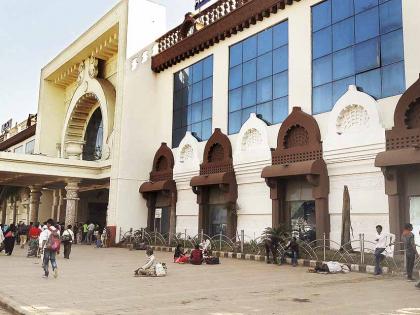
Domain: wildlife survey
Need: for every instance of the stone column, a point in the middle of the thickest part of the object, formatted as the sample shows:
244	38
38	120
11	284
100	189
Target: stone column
72	198
61	208
34	201
54	208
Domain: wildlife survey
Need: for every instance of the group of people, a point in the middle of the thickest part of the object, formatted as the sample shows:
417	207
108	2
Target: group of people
383	242
90	233
198	256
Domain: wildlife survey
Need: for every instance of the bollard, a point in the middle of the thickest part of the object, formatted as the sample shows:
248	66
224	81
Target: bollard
220	242
201	235
155	238
185	237
242	240
325	247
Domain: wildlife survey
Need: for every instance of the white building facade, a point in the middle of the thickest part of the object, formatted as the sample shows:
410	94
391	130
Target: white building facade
249	114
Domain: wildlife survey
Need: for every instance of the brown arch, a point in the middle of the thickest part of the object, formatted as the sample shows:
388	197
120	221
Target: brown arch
299	139
410	98
218	138
164	159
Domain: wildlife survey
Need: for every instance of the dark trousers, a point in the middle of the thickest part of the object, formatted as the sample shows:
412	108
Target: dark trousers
67	249
273	251
410	259
9	244
84	237
378	259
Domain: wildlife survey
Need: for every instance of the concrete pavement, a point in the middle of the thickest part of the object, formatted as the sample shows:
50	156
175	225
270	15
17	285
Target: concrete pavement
100	281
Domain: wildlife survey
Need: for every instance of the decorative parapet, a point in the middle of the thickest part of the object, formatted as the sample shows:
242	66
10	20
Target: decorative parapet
206	28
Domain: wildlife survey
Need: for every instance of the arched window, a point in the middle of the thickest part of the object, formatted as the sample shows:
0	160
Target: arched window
94	137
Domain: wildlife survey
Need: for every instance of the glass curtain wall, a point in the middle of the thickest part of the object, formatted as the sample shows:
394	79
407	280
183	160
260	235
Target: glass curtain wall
193	101
356	42
258	77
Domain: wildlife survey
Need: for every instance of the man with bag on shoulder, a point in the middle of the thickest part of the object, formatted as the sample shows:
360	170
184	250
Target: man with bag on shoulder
67	239
51	246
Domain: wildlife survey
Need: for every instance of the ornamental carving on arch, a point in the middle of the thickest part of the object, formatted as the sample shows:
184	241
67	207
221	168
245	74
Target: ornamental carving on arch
299	139
187	153
352	117
217	154
163	164
406	130
251	138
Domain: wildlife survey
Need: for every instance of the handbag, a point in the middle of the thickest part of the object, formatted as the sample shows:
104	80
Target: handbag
9	234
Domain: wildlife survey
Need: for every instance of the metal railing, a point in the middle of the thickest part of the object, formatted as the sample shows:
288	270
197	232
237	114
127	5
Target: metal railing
358	251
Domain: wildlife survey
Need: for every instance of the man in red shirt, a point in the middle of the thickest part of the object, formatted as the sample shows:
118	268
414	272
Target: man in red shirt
196	257
33	234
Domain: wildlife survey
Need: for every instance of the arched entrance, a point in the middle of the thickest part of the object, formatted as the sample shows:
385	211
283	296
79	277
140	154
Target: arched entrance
298	177
160	193
216	188
400	163
93	95
94	135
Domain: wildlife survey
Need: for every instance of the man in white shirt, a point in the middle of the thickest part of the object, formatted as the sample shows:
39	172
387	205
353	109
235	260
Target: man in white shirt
67	239
91	229
382	241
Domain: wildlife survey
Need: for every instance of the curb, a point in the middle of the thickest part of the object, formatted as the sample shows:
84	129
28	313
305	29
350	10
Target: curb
14	307
261	258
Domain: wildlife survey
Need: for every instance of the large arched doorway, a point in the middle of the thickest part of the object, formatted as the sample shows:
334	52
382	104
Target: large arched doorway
216	188
400	163
298	177
92	150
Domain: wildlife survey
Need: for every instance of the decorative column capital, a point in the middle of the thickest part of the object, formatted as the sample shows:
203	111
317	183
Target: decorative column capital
72	190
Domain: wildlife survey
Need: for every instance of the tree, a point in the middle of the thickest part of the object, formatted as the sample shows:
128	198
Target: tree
346	222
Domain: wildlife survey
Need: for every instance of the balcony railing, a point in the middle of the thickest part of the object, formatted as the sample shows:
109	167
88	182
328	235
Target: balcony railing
202	19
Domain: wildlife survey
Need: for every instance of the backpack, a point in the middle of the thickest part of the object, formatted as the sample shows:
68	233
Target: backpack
53	242
66	237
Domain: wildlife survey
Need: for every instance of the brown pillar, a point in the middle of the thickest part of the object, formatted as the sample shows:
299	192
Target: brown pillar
35	198
172	218
3	212
151	206
322	218
395	222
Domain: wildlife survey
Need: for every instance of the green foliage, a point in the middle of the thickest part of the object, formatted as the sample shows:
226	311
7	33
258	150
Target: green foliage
276	235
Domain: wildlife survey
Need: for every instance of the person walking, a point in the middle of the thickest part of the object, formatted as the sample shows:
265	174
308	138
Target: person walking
9	239
85	232
410	250
23	234
51	246
91	229
67	238
381	243
33	235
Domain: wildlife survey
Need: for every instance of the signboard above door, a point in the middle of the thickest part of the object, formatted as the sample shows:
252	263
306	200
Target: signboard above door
200	3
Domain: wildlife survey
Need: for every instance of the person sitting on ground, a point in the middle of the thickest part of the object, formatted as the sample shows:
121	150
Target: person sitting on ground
148	269
179	256
196	257
205	246
292	251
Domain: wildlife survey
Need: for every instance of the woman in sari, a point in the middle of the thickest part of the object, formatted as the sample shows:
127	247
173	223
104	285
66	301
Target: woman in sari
9	239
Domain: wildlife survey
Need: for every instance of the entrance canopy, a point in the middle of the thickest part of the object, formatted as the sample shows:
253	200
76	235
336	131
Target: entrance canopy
313	167
28	170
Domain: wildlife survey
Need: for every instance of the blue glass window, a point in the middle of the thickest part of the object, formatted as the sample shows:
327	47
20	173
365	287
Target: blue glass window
258	77
193	99
356	42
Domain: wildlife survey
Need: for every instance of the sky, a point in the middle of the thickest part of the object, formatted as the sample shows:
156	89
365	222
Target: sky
34	32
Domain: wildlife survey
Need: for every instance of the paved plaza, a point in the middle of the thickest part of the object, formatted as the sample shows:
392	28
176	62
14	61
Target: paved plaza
100	281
